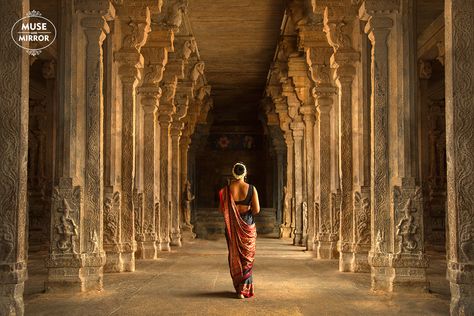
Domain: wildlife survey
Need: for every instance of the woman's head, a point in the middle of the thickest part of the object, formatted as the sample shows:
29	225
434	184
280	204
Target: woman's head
239	171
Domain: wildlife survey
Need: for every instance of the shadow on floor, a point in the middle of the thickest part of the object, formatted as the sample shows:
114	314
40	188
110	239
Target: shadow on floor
219	294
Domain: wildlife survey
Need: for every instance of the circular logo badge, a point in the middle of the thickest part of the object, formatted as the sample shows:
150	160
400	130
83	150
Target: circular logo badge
33	32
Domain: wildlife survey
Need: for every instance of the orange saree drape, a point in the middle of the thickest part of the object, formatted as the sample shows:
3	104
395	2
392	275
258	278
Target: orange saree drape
241	240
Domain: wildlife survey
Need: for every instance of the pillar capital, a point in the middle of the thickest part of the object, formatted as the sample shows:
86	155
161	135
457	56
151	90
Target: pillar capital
172	14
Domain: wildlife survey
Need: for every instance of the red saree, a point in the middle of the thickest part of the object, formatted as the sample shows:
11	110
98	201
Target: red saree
241	239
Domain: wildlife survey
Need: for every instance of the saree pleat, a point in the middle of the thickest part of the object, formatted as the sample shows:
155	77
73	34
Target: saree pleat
241	240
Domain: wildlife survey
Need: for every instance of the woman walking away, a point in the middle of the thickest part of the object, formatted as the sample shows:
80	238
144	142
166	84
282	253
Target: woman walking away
239	203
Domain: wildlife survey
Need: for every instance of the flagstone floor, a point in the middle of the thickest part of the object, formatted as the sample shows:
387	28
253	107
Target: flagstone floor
194	280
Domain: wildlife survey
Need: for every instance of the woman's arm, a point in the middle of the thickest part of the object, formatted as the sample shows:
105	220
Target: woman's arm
255	202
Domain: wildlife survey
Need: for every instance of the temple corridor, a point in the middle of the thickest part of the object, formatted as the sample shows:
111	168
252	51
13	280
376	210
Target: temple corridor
354	119
195	281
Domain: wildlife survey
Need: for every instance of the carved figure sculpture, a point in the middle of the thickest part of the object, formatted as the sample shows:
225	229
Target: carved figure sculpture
67	230
187	200
406	229
379	241
6	241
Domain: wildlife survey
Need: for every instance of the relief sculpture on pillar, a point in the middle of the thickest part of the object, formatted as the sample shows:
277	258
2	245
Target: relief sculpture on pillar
66	201
6	241
408	229
111	212
187	201
362	211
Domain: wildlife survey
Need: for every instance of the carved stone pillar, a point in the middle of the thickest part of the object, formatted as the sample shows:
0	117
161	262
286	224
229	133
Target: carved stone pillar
297	129
378	28
343	61
176	131
309	117
13	170
459	17
135	26
326	248
164	117
155	53
286	230
186	192
77	258
298	72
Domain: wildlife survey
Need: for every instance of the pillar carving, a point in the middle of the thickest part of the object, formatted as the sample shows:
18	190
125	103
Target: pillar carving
76	257
177	127
167	108
378	28
338	28
317	58
323	94
155	53
134	20
13	170
460	139
287	226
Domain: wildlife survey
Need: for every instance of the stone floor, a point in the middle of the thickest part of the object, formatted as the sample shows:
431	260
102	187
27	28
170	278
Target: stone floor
195	281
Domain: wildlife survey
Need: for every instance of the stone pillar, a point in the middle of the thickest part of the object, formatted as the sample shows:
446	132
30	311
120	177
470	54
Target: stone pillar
286	230
309	116
185	192
176	131
343	61
76	257
155	53
326	247
409	262
135	24
378	28
297	129
280	150
14	92
298	72
459	17
164	117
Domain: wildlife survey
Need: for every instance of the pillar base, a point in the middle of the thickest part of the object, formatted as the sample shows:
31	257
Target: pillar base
113	262
75	273
461	282
298	239
399	272
285	231
409	273
12	286
187	233
146	250
128	258
345	261
176	239
165	246
326	250
359	262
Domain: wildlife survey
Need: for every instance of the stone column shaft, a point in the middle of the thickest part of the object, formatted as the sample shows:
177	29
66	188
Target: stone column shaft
129	78
146	245
326	248
175	183
165	178
309	118
459	17
14	94
286	228
76	257
298	161
378	29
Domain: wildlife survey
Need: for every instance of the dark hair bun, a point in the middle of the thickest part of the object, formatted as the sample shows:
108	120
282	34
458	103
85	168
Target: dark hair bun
239	169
